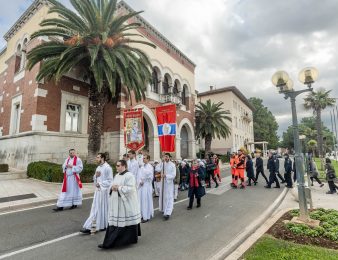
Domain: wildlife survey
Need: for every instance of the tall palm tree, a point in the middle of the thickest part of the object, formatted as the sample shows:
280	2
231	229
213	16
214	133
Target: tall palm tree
96	40
211	122
318	101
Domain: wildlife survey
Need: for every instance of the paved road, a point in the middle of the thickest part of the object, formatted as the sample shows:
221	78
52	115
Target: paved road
195	234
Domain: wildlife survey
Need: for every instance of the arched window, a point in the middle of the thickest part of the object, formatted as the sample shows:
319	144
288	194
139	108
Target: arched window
175	90
18	56
155	81
184	95
166	85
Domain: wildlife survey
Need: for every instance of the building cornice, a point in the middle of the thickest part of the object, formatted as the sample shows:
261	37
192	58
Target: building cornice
232	89
31	10
151	29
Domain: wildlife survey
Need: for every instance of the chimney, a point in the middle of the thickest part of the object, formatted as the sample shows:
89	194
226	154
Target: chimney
211	88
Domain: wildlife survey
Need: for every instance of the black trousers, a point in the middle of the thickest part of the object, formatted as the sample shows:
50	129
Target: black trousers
212	175
332	186
280	177
191	201
294	176
316	178
261	171
272	179
288	179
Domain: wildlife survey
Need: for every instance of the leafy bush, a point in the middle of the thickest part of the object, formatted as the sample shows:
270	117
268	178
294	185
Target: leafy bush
52	172
3	167
225	158
328	224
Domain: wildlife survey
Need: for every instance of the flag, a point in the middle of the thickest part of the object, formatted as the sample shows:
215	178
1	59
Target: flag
166	126
133	129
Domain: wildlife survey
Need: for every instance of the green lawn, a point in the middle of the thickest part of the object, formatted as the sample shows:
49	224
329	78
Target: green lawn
270	248
322	173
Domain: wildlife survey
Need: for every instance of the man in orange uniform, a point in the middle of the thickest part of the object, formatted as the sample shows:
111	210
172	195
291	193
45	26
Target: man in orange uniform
240	168
233	170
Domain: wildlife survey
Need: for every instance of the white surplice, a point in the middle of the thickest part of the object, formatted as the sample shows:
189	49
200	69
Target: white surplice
168	188
145	191
73	195
98	217
133	167
123	205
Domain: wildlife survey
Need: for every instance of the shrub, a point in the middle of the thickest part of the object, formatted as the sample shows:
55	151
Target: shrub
3	167
52	172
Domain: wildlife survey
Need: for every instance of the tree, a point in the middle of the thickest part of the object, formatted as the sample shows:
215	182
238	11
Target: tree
264	123
96	40
312	144
307	127
211	122
318	101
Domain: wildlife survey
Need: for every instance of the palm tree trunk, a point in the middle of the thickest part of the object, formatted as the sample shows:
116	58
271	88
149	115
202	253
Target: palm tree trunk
97	102
319	132
207	144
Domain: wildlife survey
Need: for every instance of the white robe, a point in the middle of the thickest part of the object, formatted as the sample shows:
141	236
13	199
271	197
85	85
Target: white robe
168	189
145	191
133	167
73	195
124	210
99	210
157	185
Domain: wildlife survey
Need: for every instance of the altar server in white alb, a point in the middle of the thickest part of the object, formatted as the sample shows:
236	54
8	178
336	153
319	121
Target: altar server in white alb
71	195
145	189
167	187
124	210
103	178
132	163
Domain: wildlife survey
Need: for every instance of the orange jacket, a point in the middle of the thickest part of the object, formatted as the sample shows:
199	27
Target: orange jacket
240	161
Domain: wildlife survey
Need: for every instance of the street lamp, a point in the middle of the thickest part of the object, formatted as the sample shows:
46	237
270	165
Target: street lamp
285	86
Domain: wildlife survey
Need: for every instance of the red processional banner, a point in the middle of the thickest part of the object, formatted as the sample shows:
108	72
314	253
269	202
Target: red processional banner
133	129
166	126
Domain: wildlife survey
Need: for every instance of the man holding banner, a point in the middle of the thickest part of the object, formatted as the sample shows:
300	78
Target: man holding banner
166	124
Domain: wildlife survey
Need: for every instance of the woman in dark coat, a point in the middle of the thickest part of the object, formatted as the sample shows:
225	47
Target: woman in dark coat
330	176
250	170
196	189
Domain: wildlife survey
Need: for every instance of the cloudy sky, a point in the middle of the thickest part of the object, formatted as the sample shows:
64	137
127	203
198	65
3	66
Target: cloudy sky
242	42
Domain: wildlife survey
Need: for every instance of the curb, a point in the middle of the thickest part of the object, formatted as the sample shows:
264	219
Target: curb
32	204
248	231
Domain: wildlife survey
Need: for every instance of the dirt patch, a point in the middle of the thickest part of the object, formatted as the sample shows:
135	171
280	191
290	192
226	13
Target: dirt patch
280	231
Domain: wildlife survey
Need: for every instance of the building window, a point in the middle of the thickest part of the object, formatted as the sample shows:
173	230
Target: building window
166	85
155	82
175	90
16	119
73	118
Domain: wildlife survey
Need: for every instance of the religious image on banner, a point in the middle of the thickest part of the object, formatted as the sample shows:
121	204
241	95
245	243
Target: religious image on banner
133	129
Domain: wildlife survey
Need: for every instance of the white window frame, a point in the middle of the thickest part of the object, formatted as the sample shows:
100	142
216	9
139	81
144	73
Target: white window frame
83	102
16	101
78	113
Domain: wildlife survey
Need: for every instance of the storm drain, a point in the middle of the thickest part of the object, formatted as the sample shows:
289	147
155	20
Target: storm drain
17	197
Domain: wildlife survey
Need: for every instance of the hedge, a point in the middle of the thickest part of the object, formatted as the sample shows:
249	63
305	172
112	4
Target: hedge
52	172
3	167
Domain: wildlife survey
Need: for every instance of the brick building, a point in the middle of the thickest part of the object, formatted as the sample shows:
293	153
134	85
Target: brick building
42	120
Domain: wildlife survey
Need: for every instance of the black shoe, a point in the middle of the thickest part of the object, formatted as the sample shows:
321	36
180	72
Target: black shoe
189	208
166	217
283	182
321	185
216	185
85	231
242	187
290	187
255	183
58	209
144	221
267	186
198	206
100	246
104	229
330	192
277	187
249	184
73	207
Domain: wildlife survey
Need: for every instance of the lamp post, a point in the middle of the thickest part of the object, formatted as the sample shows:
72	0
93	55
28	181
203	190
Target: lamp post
285	85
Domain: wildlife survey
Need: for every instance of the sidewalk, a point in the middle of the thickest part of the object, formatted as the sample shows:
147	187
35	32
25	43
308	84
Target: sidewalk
319	198
37	193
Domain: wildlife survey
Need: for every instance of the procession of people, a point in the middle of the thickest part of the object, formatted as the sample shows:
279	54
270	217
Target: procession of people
125	199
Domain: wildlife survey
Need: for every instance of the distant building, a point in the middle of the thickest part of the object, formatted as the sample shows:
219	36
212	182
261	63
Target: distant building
41	120
242	121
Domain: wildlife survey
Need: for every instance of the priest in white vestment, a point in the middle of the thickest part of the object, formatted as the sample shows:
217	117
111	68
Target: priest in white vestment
166	200
145	189
132	164
103	178
124	215
71	195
